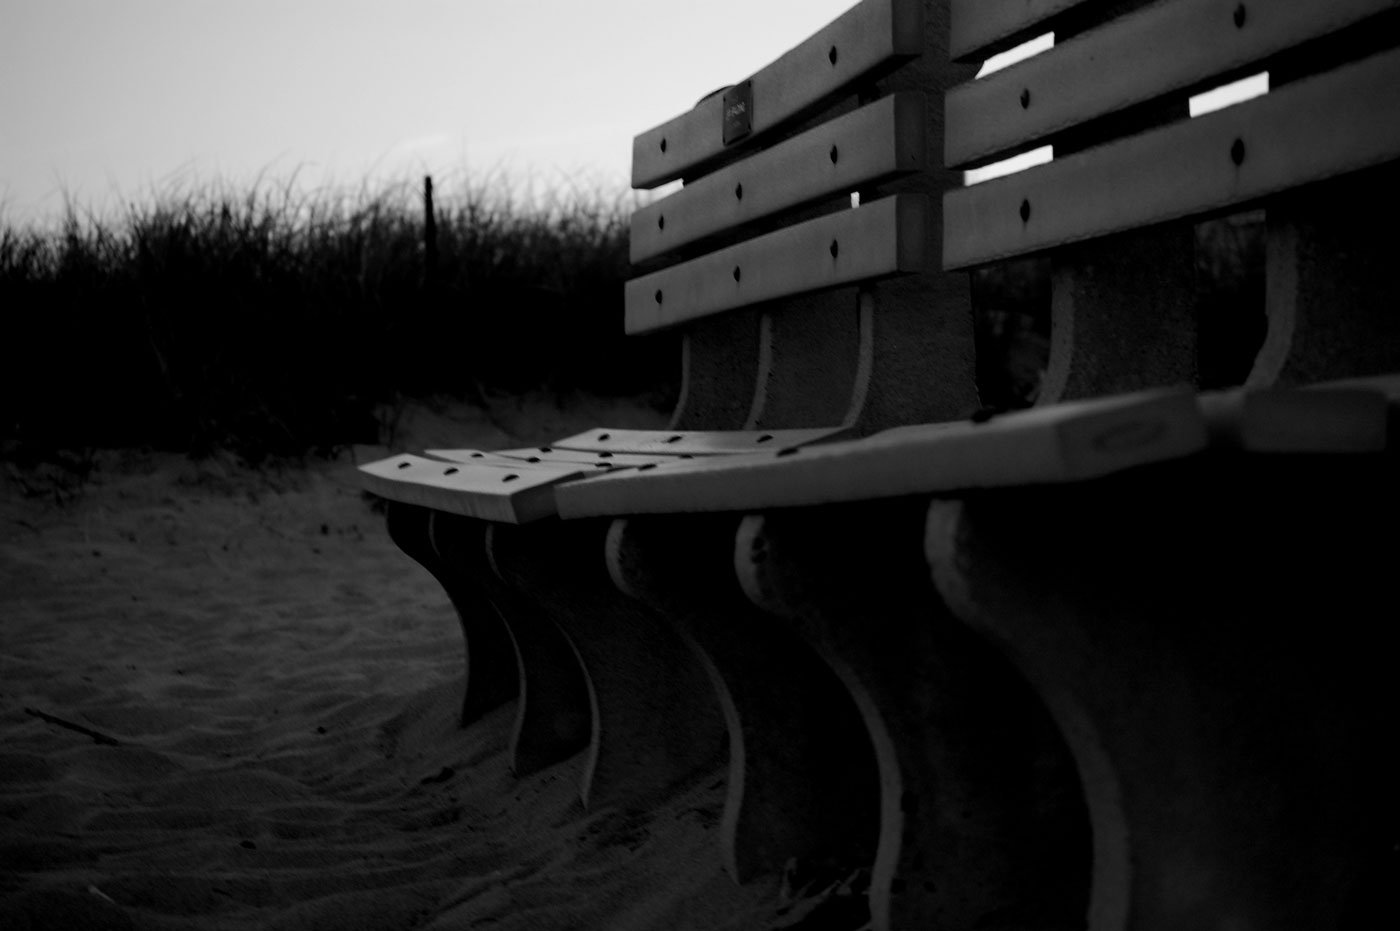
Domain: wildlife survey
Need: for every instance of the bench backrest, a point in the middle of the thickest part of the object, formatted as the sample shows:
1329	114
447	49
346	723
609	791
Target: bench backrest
800	311
1133	174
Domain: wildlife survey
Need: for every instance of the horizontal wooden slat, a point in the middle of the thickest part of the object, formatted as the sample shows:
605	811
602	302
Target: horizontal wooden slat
876	142
871	36
547	455
1316	129
491	458
513	494
1336	419
1166	47
882	238
1056	443
690	443
982	28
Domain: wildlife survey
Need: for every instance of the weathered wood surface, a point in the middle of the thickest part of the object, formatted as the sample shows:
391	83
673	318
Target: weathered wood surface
689	442
1318	128
875	240
545	455
499	490
876	142
1176	47
1065	442
870	37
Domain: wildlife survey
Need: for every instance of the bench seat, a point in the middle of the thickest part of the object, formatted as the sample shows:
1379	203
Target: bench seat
618	472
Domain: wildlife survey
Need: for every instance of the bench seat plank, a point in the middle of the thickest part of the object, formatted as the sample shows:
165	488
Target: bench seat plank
868	38
1330	418
1163	48
514	494
875	143
1318	128
1063	442
876	240
678	443
546	456
1069	441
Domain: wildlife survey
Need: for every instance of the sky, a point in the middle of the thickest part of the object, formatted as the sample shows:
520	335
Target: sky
111	100
108	102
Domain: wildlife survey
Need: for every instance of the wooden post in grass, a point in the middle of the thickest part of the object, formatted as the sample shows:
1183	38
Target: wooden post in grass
429	235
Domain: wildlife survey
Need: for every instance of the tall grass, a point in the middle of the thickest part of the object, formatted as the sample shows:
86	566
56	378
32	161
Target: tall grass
272	322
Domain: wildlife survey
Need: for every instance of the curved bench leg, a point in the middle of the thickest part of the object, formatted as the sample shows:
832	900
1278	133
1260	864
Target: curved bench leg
1101	344
655	721
981	822
802	791
510	648
1332	287
491	678
1214	644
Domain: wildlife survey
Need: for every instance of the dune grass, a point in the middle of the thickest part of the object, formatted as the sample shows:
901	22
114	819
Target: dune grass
271	322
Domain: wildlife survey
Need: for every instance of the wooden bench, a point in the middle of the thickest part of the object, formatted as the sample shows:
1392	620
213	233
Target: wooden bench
1083	663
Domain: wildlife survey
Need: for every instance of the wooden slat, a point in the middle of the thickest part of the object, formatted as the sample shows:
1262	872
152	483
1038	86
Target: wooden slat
675	443
872	144
492	491
1316	129
981	28
882	238
547	455
1281	420
872	36
1056	443
1167	47
489	458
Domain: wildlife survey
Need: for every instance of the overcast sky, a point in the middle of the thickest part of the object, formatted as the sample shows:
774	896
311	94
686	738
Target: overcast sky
111	99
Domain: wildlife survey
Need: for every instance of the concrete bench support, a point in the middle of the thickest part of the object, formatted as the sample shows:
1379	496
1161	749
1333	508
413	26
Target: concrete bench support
551	720
980	816
452	550
654	719
1332	289
802	787
1101	344
1230	736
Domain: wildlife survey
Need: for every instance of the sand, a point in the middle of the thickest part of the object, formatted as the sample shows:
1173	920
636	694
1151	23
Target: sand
228	701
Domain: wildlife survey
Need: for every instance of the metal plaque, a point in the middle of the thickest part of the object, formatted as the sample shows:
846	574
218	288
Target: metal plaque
738	112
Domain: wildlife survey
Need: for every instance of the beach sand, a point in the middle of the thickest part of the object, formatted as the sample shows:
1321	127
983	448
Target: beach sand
228	701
